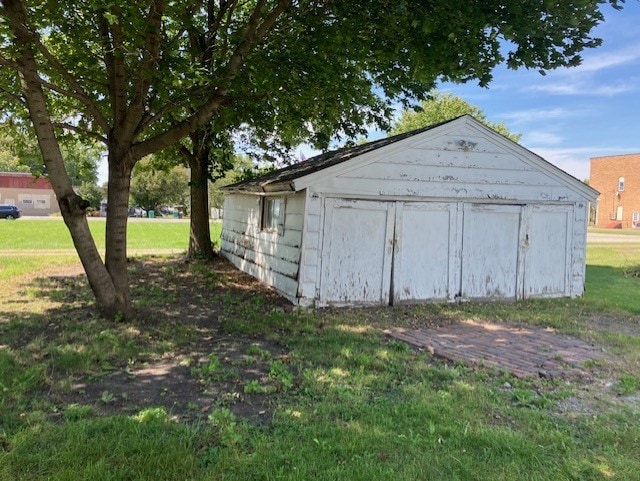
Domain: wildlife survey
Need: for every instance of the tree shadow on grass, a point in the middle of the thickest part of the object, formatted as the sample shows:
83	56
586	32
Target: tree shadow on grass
180	351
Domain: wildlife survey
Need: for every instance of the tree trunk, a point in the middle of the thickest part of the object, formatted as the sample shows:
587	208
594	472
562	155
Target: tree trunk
200	246
71	205
116	234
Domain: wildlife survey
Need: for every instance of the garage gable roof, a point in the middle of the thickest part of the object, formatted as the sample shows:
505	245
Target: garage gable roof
278	179
300	175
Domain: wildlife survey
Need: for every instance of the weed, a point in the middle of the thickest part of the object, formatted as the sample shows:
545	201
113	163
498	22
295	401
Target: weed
254	387
397	346
75	412
228	428
279	373
628	384
530	399
149	415
107	397
593	363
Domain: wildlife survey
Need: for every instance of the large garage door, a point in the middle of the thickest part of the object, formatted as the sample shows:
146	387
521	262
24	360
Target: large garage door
357	250
490	251
548	241
394	252
423	264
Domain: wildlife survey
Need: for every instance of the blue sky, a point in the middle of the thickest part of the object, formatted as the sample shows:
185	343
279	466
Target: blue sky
573	114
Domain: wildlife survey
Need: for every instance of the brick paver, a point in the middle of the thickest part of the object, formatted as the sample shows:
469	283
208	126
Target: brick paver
523	351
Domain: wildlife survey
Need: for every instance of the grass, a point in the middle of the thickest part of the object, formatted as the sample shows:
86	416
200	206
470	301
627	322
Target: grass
343	403
28	245
13	266
49	234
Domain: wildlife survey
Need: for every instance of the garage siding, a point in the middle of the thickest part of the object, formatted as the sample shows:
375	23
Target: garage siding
272	257
458	191
447	170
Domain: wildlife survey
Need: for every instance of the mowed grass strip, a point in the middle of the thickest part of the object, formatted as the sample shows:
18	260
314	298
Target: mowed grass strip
613	277
51	234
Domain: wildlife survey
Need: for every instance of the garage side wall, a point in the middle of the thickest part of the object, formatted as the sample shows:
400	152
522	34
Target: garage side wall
272	257
579	249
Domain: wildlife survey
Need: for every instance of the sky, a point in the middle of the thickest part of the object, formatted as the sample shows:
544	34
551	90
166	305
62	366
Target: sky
573	114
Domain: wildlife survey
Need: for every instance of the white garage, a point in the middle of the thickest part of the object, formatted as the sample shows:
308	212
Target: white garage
447	213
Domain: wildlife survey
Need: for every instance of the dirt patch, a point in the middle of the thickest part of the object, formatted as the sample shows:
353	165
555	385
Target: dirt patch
176	381
203	368
627	325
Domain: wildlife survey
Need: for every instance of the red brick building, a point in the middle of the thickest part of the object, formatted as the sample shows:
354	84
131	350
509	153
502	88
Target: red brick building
34	196
617	178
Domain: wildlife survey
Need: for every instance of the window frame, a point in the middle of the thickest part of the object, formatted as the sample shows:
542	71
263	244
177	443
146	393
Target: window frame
269	220
620	184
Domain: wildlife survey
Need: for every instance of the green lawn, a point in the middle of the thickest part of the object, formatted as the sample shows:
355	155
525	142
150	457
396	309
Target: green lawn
344	402
610	280
51	233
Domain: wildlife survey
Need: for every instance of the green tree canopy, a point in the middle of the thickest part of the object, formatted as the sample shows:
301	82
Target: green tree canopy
9	161
152	187
19	152
442	107
92	193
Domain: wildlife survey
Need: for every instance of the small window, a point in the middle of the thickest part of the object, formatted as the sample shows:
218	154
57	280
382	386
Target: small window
41	201
620	184
271	212
27	201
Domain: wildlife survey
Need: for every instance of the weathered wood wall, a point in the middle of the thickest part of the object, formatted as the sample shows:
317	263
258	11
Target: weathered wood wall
427	192
272	257
457	167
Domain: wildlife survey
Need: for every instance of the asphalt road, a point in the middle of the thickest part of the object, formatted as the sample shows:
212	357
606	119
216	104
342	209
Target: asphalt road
598	238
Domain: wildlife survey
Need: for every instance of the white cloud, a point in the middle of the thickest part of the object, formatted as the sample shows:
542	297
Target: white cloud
538	115
594	76
542	137
576	160
603	61
585	87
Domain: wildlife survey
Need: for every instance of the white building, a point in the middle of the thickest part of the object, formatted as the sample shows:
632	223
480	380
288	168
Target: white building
451	212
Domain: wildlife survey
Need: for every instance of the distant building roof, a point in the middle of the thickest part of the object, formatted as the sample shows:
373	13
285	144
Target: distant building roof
23	180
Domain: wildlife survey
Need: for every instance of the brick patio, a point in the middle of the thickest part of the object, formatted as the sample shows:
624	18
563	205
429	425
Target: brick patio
523	351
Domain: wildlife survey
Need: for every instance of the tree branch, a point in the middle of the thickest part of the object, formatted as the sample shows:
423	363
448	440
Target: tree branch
75	128
112	40
254	32
14	96
78	92
151	56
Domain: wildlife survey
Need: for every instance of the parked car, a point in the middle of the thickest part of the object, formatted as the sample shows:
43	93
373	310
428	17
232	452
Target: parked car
9	212
137	212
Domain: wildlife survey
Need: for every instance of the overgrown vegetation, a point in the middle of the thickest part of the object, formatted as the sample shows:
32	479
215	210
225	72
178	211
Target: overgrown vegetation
248	388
